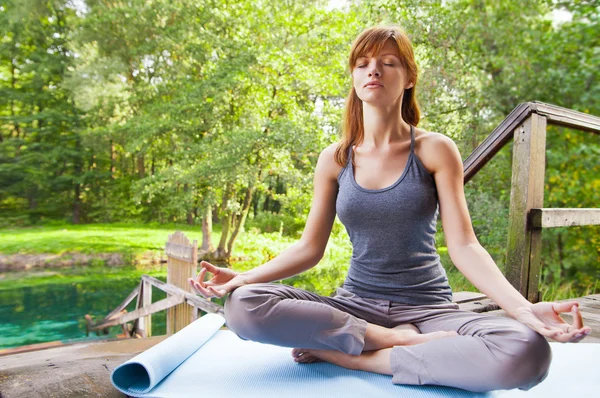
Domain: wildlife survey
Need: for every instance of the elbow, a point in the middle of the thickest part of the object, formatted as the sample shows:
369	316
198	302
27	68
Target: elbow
456	248
310	254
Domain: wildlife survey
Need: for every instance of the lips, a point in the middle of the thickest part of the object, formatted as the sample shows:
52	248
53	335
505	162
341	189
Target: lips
373	83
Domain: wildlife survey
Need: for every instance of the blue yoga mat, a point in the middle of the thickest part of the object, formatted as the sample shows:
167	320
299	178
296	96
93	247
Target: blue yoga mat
202	360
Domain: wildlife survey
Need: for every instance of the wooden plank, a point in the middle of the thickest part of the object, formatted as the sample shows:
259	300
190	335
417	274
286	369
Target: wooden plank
504	132
484	305
495	141
182	262
549	218
567	117
151	309
591	316
124	304
523	257
463	297
179	251
147	300
198	301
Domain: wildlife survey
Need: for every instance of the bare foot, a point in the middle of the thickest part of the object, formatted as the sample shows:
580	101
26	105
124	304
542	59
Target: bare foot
410	337
305	355
379	337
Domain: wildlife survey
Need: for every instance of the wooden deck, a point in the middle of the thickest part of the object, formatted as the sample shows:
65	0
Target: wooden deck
588	305
83	369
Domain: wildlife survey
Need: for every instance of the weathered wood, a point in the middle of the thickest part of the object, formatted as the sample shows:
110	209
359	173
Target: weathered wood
151	309
134	293
179	251
523	258
495	141
147	300
589	307
549	218
182	260
502	134
198	301
559	116
464	297
138	324
482	305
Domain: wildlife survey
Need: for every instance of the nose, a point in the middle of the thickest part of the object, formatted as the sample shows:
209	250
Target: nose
374	69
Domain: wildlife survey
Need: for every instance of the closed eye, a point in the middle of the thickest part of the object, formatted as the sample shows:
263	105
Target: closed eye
362	66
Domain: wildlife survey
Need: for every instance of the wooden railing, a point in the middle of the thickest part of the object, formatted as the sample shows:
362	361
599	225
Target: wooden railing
181	304
144	308
526	125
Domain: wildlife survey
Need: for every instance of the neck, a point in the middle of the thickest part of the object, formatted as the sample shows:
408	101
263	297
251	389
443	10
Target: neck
383	125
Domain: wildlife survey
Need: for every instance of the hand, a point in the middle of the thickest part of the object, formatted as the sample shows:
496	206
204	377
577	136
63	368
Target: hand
543	317
223	281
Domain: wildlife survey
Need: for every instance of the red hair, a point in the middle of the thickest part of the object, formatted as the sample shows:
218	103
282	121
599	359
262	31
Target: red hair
369	41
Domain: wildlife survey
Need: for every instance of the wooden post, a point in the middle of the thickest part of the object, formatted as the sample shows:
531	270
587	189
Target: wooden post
145	323
523	255
182	258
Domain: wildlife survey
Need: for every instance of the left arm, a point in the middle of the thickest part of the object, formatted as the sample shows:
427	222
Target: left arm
475	262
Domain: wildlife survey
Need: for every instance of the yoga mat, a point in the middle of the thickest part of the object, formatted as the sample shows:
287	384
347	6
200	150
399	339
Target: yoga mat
201	360
140	375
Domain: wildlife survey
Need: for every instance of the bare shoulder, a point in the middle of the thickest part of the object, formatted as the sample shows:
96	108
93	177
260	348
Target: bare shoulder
326	165
436	151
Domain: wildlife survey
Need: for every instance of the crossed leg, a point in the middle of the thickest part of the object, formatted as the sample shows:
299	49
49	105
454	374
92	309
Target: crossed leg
377	350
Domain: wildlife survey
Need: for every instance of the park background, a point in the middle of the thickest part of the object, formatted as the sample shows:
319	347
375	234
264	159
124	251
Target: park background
123	121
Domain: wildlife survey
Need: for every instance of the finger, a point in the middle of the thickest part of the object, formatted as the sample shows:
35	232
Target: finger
549	332
195	289
577	338
211	268
564	337
200	276
577	319
217	292
564	307
203	291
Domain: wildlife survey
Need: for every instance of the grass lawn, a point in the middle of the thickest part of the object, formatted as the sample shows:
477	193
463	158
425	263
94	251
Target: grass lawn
90	238
252	248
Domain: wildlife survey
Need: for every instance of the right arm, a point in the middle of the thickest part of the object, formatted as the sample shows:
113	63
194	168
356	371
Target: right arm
299	257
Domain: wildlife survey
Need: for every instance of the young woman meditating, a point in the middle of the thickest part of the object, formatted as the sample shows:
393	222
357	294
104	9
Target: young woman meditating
387	179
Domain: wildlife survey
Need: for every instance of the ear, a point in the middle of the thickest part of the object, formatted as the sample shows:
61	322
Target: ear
409	85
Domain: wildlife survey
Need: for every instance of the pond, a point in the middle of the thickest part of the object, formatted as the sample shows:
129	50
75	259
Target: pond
50	306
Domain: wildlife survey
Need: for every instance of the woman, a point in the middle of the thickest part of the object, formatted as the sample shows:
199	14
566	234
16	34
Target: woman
394	314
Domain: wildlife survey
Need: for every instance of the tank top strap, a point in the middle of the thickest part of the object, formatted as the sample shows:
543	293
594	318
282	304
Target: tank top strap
412	138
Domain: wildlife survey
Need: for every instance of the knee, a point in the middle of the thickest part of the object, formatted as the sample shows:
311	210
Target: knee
239	309
529	363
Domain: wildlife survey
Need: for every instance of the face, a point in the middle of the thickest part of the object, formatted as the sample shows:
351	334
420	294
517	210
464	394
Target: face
386	70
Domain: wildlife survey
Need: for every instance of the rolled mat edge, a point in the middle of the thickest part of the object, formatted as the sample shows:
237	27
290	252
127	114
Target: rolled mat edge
139	375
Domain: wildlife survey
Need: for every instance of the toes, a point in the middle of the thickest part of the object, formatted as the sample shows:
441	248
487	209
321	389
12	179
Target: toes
296	352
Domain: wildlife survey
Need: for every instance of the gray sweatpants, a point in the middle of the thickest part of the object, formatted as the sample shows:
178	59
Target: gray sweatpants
489	353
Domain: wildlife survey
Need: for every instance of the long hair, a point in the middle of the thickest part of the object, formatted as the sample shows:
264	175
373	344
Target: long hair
372	40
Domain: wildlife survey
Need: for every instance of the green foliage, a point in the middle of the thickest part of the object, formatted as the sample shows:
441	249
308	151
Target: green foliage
161	111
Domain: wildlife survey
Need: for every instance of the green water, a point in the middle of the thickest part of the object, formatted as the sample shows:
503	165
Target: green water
50	306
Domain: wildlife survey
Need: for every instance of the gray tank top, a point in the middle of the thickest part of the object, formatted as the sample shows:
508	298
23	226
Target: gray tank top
392	231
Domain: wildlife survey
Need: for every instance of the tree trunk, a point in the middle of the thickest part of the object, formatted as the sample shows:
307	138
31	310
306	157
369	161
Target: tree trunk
561	257
113	159
242	219
221	253
77	205
140	166
207	245
78	167
225	219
